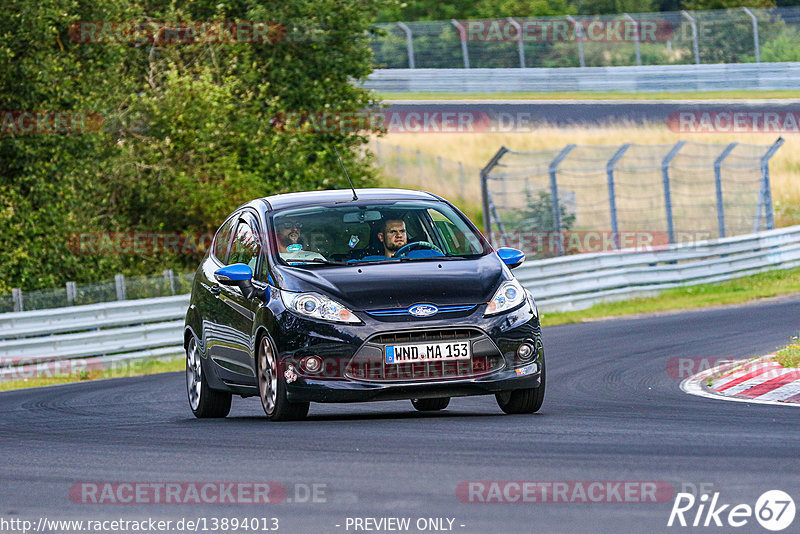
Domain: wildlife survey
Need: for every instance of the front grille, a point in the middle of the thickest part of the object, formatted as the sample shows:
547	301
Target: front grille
476	366
369	362
426	336
403	312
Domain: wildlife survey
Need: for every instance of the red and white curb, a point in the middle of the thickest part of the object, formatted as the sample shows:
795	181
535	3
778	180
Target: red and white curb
755	381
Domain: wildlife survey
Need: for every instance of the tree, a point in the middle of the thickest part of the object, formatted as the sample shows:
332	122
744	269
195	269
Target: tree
725	4
188	133
538	216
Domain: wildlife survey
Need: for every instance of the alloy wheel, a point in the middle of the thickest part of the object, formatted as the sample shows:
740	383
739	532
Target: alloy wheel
268	376
194	372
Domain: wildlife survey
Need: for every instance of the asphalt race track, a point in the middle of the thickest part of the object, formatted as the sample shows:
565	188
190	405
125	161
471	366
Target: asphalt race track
526	115
612	413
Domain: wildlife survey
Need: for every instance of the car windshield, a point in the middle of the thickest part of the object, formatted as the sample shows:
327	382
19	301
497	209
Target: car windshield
374	231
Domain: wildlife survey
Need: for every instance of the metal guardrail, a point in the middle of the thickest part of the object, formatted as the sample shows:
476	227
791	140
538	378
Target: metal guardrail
93	343
110	333
577	282
44	343
636	79
105	315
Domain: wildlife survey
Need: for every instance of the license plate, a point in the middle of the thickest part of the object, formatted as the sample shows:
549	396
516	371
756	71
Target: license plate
428	352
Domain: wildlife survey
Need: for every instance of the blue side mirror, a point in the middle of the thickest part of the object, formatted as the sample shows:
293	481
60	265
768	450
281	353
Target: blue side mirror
241	275
230	275
511	256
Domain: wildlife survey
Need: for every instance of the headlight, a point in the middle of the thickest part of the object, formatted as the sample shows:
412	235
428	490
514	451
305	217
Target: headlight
508	296
318	306
534	307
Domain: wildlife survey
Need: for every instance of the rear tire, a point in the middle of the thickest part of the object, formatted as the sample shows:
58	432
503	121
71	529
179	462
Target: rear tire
522	401
204	401
272	387
431	405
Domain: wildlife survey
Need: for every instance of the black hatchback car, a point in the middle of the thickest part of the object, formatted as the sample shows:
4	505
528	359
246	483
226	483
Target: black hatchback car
347	296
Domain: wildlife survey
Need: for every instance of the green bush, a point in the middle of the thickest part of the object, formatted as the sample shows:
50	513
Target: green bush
189	130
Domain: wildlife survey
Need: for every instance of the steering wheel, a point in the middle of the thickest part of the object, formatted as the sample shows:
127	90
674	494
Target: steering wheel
408	247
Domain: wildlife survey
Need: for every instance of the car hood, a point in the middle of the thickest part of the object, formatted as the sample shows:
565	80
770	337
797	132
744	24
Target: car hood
371	286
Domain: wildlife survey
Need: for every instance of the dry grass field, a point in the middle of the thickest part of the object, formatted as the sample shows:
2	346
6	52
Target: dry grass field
477	148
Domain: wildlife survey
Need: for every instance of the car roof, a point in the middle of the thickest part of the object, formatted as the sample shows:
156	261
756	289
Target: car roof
305	198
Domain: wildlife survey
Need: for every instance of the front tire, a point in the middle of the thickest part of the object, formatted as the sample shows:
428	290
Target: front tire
272	387
522	401
204	401
431	405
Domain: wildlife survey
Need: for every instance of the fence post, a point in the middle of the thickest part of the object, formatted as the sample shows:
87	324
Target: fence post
16	296
718	185
169	276
409	43
463	36
766	192
579	37
72	292
755	34
553	170
612	197
520	48
636	38
484	177
667	194
119	282
694	35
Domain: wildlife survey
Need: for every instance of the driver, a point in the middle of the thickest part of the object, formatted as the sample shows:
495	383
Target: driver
393	236
290	240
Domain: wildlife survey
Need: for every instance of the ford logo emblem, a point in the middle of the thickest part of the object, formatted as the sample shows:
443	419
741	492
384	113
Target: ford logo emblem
423	310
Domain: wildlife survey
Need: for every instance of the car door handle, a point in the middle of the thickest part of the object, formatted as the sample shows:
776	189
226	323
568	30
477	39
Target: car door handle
215	290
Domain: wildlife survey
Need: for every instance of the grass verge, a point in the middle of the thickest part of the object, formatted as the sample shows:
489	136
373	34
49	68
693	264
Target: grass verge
762	285
592	95
789	356
117	370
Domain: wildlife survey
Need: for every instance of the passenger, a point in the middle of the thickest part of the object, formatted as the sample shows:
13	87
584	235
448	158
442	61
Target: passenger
290	240
393	236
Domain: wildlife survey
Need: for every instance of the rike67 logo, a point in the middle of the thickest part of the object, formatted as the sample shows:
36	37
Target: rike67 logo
774	510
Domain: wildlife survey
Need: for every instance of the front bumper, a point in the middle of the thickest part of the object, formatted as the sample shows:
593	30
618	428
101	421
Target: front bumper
359	391
339	346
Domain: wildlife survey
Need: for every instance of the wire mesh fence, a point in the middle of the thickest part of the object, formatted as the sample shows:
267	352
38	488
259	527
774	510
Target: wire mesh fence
620	196
121	288
743	35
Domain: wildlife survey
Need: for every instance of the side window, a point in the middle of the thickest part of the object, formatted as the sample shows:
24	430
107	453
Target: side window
223	239
454	236
245	247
